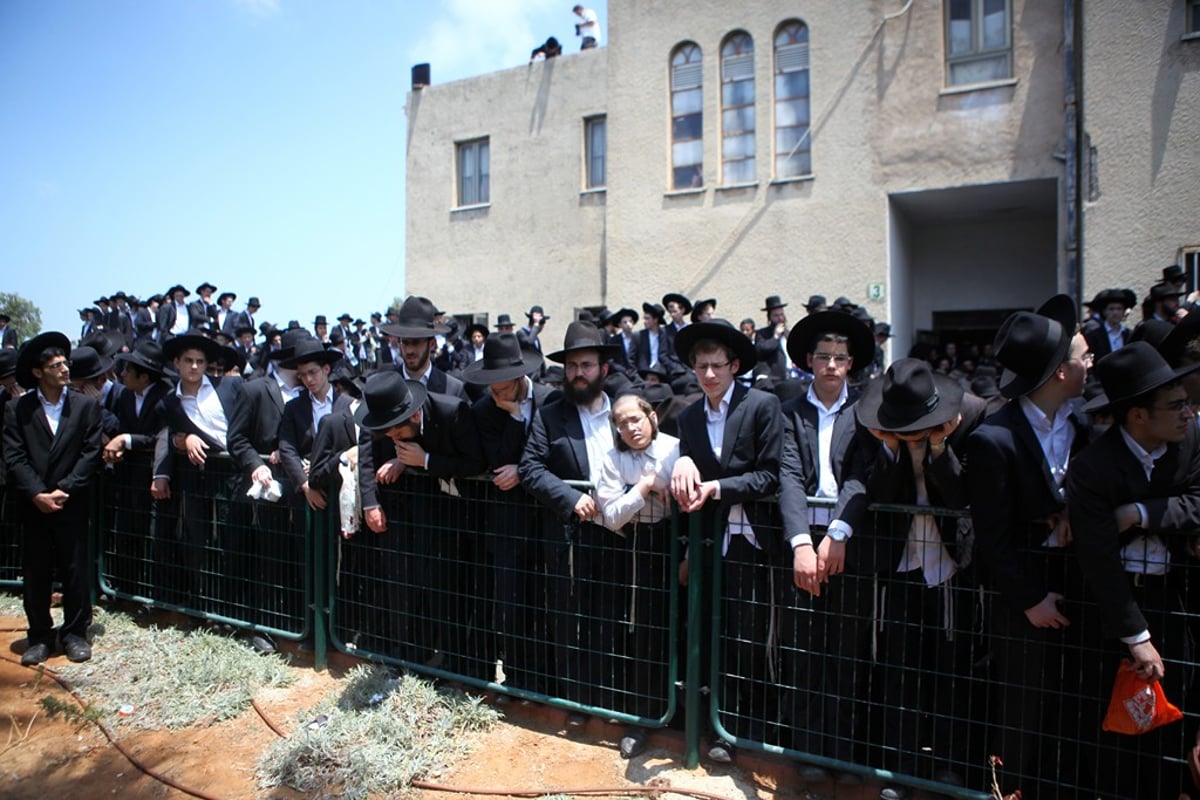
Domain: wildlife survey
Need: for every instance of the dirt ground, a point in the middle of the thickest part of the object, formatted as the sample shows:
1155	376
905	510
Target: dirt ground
529	751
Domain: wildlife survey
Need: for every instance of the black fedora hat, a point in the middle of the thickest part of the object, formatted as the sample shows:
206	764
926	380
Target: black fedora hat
231	359
8	362
773	301
253	303
309	350
27	356
1173	273
176	288
503	360
816	302
1132	371
206	285
1125	297
625	312
883	329
475	326
388	400
1161	291
710	303
504	321
416	320
1176	340
320	320
192	340
654	309
720	330
288	341
1154	331
538	310
909	397
86	363
683	302
655	369
583	335
147	356
106	343
223	295
345	316
803	337
1030	346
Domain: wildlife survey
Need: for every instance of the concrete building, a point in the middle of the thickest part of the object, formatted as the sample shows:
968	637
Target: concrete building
936	161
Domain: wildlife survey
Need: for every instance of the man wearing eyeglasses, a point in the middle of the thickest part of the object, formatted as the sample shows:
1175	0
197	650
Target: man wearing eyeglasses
821	457
52	449
1131	494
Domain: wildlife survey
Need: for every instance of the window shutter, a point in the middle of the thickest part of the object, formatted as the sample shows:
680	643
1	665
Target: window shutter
686	76
791	57
738	67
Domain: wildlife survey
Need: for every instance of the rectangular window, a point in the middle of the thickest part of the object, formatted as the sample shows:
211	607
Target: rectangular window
474	173
1193	21
595	133
978	41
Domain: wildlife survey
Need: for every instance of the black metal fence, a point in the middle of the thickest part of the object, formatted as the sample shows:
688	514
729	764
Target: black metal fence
899	676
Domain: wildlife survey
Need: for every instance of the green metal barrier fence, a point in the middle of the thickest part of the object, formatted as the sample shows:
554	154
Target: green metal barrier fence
883	676
10	539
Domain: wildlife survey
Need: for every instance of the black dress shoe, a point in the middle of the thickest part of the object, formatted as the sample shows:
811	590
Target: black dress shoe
262	644
77	648
633	742
721	752
36	654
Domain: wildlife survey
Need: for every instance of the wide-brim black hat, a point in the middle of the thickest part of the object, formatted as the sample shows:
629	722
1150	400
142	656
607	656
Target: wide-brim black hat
1154	331
502	321
476	326
1031	346
232	359
683	302
288	341
772	302
205	285
416	320
310	350
656	310
1172	345
720	330
503	360
803	337
106	343
223	295
27	356
176	288
388	400
1173	273
583	335
909	398
86	363
1132	371
700	305
624	312
1125	297
192	341
147	356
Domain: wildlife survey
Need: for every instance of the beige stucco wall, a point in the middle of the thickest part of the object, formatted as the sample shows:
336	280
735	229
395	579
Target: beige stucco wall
882	125
540	240
1141	91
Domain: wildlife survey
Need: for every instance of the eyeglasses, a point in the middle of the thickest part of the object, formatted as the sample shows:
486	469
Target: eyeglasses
630	423
715	366
825	358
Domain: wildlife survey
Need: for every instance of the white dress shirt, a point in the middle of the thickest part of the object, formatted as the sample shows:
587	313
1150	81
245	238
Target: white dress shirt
738	523
205	411
621	503
53	410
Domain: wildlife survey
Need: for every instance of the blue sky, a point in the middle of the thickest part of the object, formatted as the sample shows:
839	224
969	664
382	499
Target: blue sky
255	144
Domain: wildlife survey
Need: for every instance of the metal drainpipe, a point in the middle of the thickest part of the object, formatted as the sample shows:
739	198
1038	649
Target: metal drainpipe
1072	135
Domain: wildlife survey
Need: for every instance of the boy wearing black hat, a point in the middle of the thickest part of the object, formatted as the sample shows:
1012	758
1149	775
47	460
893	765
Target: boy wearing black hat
1019	458
729	465
304	413
1131	494
52	450
173	316
1109	333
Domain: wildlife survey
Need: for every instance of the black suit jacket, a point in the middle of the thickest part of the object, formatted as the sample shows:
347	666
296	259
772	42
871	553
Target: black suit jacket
893	481
254	426
335	435
748	467
39	461
666	351
624	362
501	436
799	468
555	452
439	382
296	435
166	320
142	428
448	435
1010	488
8	338
229	392
1107	475
1097	339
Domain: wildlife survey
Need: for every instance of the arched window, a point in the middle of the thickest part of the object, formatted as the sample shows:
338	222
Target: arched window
737	109
687	105
793	132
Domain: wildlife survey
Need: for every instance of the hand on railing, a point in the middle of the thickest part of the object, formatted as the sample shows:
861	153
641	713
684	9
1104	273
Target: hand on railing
831	558
806	573
315	497
376	519
1046	614
262	476
160	489
114	451
389	471
505	477
585	507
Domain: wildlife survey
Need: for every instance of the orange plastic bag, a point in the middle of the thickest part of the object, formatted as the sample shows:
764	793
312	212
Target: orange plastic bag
1137	706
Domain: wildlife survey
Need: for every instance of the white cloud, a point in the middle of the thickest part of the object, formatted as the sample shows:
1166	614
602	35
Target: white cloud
259	8
471	37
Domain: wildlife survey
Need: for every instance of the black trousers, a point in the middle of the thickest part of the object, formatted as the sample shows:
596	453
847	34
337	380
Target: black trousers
55	545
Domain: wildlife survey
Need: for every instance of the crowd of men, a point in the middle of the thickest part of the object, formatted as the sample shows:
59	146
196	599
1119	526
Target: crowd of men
1071	498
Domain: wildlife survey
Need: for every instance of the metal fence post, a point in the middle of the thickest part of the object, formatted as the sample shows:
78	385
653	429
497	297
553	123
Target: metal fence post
695	637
